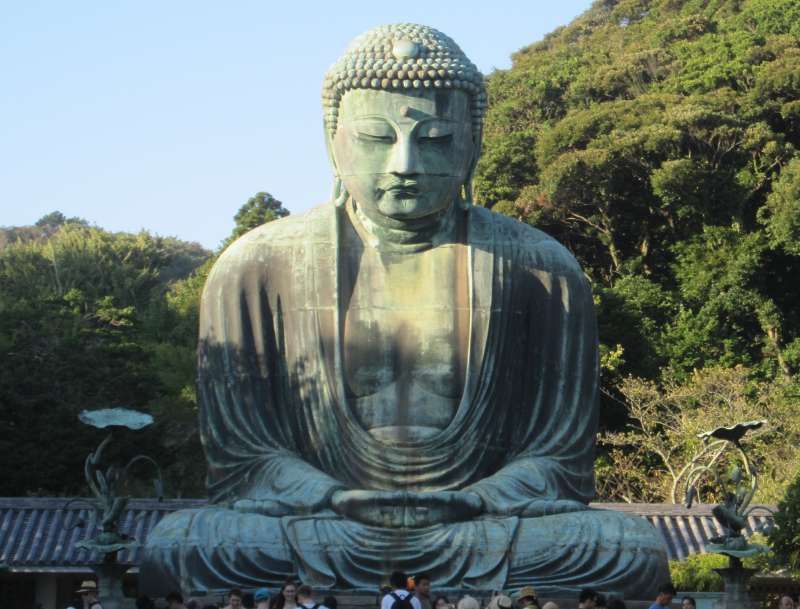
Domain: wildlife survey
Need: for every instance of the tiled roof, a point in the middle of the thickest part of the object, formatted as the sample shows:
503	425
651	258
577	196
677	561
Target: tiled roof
39	533
685	531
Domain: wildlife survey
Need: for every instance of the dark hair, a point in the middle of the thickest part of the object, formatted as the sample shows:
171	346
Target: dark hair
666	588
279	600
330	602
587	594
420	577
441	597
600	601
690	599
235	592
174	597
399	580
616	603
144	602
304	590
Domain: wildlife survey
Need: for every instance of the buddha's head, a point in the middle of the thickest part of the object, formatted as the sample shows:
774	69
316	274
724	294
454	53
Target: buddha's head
403	116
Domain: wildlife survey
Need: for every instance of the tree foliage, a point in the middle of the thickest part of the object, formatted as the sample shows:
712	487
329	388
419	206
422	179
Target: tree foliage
658	140
650	458
92	319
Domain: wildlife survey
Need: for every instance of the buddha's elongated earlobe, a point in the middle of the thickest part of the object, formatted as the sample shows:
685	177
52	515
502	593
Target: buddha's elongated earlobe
340	193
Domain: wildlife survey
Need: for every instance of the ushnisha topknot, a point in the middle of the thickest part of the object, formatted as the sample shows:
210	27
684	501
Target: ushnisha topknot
403	56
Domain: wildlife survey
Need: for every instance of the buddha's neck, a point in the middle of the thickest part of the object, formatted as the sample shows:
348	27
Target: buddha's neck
404	236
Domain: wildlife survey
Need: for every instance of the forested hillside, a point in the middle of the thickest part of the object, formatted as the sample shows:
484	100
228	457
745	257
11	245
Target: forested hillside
658	140
93	319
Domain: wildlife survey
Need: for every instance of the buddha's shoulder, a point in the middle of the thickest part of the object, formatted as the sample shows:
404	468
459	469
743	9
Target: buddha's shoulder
282	236
530	245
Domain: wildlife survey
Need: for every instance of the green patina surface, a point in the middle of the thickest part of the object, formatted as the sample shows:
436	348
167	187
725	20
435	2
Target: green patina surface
398	378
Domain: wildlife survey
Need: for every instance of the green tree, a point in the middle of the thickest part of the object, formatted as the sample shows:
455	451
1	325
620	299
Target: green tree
259	209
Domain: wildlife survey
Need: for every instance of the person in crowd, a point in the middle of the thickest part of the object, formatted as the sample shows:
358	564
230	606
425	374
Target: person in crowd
286	598
688	602
175	601
616	603
330	602
550	605
500	601
261	598
305	598
468	602
235	597
399	592
665	594
786	602
422	590
441	602
89	594
145	602
587	599
601	601
527	599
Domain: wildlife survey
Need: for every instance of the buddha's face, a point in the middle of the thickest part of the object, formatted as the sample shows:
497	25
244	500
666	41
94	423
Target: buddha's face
403	155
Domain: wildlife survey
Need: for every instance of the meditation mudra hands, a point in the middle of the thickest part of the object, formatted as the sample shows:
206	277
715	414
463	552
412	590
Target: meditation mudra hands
404	509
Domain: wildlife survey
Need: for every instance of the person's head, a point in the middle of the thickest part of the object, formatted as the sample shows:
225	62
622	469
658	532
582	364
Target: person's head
441	602
468	602
786	602
665	594
587	599
145	602
601	600
404	116
330	602
289	590
688	602
501	601
550	605
398	580
423	584
235	597
304	594
174	600
88	591
261	598
526	597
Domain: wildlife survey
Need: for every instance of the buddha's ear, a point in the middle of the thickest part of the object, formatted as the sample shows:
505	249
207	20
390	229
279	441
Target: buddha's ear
339	194
466	196
329	147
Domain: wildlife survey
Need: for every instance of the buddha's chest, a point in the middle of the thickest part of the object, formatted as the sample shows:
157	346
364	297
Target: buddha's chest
406	331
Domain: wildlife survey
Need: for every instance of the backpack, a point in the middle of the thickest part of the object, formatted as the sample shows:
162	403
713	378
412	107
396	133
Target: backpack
400	602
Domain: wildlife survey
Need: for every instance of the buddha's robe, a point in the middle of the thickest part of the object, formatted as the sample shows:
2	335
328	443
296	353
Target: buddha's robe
280	437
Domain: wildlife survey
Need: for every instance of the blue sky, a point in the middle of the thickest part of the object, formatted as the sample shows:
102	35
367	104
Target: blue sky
167	116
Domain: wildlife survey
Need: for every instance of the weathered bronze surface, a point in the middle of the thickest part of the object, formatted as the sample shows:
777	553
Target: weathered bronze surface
399	378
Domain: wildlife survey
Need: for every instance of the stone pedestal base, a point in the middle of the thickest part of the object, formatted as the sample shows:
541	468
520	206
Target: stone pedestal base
109	581
737	586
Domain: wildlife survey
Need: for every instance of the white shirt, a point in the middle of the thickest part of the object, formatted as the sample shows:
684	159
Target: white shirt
310	604
389	600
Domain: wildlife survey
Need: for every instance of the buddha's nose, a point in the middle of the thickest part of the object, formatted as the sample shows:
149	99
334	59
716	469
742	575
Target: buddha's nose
405	158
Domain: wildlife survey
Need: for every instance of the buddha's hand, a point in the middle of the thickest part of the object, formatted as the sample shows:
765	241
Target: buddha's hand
402	509
265	507
548	507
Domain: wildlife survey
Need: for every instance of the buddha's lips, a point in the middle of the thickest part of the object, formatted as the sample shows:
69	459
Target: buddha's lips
404	190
